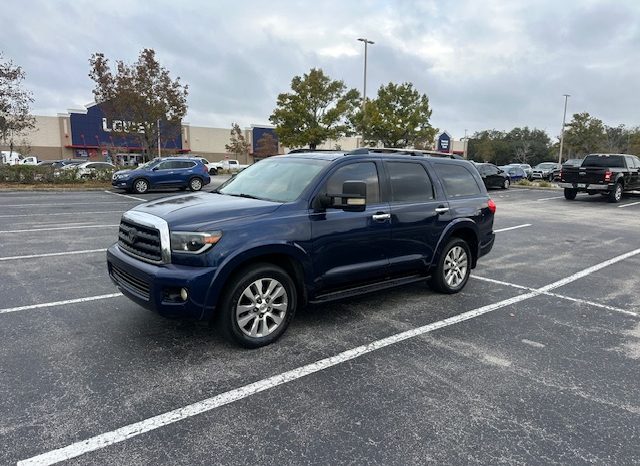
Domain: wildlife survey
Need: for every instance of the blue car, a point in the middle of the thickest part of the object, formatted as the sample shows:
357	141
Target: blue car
171	172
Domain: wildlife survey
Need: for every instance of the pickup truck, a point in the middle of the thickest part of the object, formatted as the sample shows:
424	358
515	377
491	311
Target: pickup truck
305	228
231	165
608	174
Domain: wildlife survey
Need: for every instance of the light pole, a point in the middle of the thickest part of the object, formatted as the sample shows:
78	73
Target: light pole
564	117
364	86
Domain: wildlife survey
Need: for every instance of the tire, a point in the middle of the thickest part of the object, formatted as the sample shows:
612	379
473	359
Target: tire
506	183
213	171
570	194
140	186
248	320
195	184
445	278
615	195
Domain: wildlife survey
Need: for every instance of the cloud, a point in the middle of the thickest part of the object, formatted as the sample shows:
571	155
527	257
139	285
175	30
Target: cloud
491	64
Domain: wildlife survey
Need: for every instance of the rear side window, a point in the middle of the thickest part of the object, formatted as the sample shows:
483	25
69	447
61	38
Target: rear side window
361	171
458	181
409	182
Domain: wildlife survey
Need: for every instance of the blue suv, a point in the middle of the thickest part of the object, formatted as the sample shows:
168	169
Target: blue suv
171	172
303	228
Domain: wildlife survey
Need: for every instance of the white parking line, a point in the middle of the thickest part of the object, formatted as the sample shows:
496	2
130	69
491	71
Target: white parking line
126	195
513	228
58	228
132	430
61	213
59	303
52	254
549	198
59	204
556	295
630	204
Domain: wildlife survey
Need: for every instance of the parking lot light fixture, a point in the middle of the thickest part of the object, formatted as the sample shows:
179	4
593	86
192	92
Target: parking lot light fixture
564	117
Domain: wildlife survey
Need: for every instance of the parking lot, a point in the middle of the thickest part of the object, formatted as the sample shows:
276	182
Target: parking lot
535	361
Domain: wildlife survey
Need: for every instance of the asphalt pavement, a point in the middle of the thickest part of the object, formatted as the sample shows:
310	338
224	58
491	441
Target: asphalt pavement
536	361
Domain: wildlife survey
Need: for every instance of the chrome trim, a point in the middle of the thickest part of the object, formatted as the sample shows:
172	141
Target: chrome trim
152	221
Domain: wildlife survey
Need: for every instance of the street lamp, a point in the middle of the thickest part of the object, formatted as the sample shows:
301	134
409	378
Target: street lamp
364	86
564	117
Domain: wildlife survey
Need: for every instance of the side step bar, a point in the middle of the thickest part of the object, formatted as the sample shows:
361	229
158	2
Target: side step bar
323	298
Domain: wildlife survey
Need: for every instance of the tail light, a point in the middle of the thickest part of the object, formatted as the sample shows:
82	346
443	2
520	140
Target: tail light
492	206
607	175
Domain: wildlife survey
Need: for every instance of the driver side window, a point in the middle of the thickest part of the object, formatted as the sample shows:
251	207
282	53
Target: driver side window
361	171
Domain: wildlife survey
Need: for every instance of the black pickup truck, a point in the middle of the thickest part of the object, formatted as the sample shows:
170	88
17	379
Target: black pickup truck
608	174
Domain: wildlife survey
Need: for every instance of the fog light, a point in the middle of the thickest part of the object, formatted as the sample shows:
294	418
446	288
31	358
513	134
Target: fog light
184	294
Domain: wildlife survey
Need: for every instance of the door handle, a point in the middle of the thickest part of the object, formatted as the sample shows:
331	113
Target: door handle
381	217
442	210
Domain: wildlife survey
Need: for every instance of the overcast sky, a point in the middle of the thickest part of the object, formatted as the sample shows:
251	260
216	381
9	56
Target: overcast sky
484	64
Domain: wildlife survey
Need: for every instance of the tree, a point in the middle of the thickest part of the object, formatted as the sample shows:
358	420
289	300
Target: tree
15	101
140	95
397	117
266	146
584	135
239	146
317	109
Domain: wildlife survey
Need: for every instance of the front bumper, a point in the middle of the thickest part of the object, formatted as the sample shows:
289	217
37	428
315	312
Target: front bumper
587	186
157	287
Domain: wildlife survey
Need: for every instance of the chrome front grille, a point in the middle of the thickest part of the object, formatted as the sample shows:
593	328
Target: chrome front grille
140	240
126	280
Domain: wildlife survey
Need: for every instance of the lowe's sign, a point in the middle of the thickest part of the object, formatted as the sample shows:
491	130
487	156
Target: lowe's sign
444	142
94	129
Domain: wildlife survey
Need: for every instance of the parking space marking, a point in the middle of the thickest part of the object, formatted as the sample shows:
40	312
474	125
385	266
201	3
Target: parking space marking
630	204
549	198
58	228
52	254
126	195
556	295
132	430
524	225
58	204
61	213
59	303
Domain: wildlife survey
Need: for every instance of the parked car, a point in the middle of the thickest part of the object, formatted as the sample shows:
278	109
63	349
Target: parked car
492	176
515	172
608	174
173	172
87	170
545	171
303	228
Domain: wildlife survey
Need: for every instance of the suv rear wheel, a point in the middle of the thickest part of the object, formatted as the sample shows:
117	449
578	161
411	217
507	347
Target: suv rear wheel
195	184
258	305
454	267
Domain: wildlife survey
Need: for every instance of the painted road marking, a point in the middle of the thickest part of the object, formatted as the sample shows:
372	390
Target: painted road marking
631	203
556	295
132	430
513	228
126	195
61	213
59	303
58	228
52	254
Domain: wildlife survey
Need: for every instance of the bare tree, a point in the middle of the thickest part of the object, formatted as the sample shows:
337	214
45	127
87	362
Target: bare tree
15	117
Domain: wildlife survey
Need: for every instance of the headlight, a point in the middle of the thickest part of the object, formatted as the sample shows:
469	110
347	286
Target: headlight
193	242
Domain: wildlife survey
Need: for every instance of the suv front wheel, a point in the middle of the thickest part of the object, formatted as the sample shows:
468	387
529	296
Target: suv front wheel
258	305
454	267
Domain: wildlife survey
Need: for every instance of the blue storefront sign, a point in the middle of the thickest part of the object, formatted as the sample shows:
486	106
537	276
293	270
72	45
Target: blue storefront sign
444	142
94	130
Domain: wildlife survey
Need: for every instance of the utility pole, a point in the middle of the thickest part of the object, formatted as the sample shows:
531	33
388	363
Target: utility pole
564	117
364	86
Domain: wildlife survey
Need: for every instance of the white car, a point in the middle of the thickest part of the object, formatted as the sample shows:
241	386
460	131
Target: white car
88	170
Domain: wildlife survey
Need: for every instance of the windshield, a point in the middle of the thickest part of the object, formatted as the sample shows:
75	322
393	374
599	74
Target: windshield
546	165
278	180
